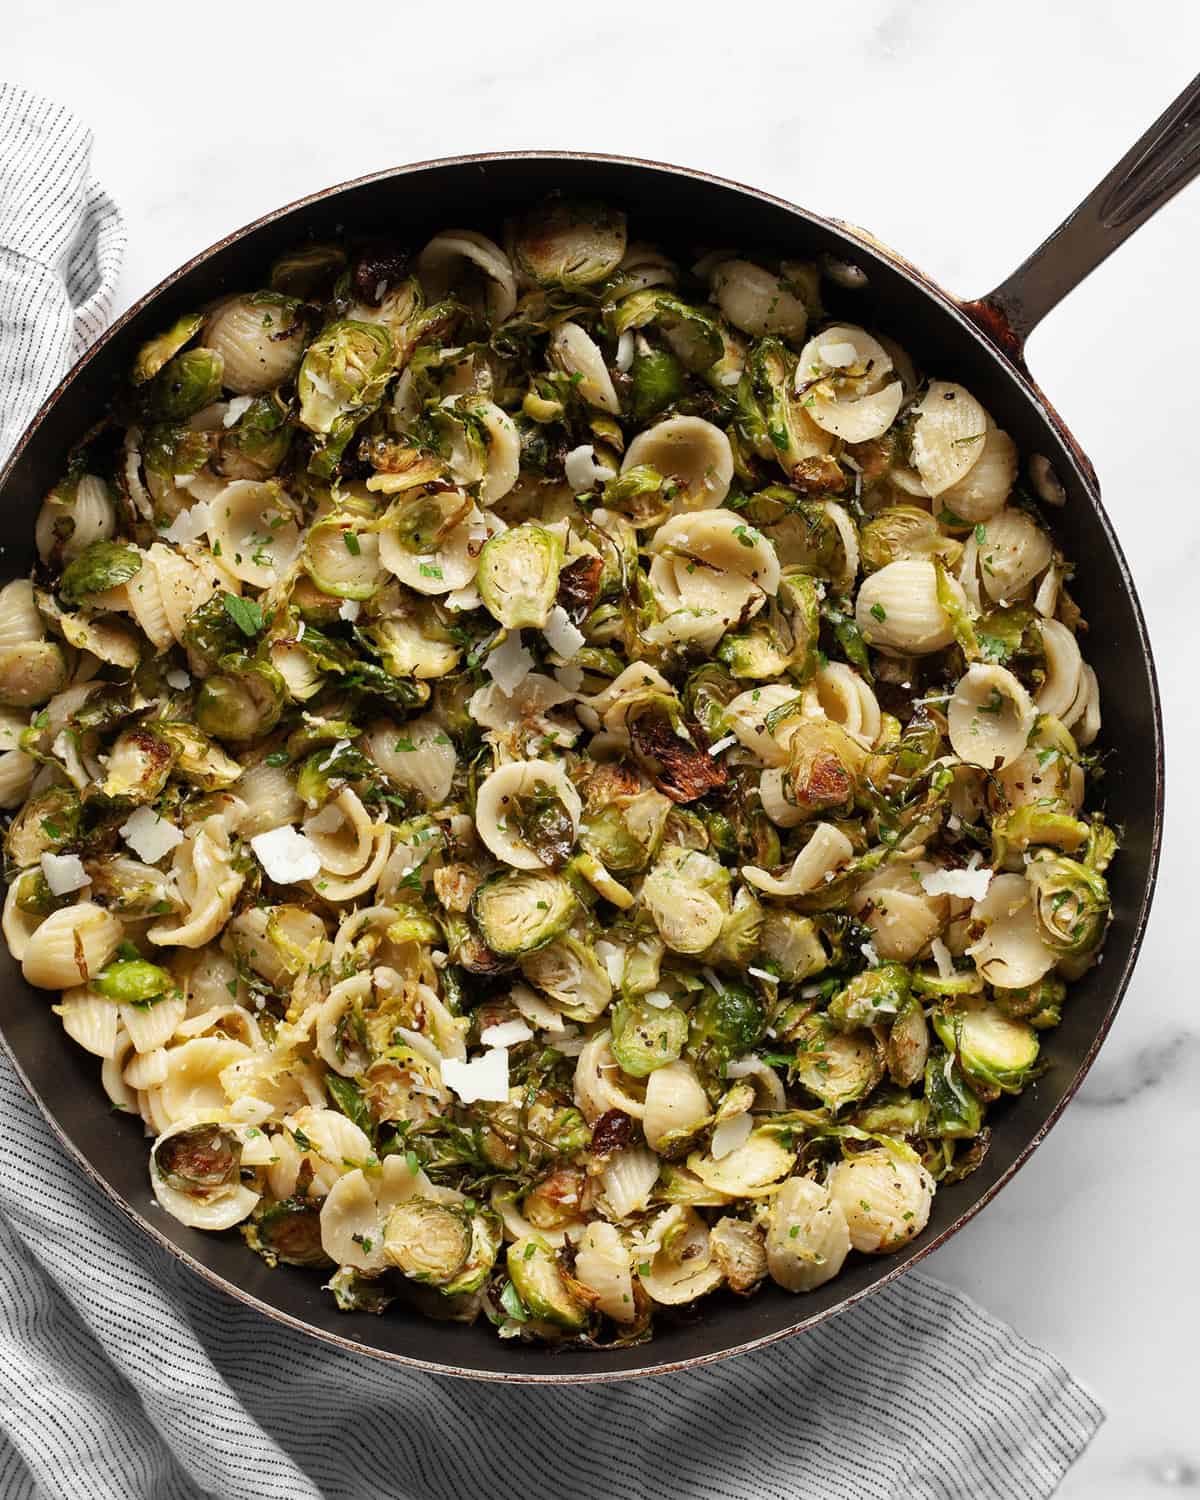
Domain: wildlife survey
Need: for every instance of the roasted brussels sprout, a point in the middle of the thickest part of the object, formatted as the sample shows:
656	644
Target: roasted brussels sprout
185	384
344	370
199	1159
518	575
542	1287
152	356
242	702
998	1054
646	1036
569	242
726	1022
520	911
875	996
288	1231
428	1241
1071	903
133	981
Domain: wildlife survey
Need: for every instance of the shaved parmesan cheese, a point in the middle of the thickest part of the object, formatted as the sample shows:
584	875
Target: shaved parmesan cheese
613	958
508	663
300	632
483	1077
64	873
570	679
349	609
149	836
941	957
744	1067
286	855
723	744
505	1034
236	410
658	998
467	597
536	1010
972	885
582	470
329	820
764	976
339	746
189	525
178	678
713	982
563	638
625	352
837	356
868	952
730	1134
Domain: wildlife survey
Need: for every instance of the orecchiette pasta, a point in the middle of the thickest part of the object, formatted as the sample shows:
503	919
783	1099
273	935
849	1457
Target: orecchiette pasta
499	763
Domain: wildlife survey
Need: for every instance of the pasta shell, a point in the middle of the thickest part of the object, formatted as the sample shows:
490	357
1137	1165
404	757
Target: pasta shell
152	1027
898	610
193	1082
1064	670
598	1082
987	484
256	531
70	946
808	1238
1011	952
497	796
441	264
628	1180
1013	551
691	451
260	344
948	435
990	717
64	529
758	301
576	353
270	794
602	1265
90	1020
676	1103
20	621
826	851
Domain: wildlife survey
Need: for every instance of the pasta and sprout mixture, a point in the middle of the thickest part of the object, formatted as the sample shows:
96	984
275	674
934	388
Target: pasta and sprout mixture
551	778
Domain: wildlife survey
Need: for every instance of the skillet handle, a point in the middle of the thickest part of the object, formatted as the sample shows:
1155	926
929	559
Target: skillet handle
1164	160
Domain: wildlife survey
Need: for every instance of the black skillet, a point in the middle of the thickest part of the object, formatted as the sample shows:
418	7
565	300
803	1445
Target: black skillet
978	343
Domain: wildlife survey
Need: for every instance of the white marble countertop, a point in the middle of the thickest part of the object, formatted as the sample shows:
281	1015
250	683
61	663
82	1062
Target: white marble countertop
960	133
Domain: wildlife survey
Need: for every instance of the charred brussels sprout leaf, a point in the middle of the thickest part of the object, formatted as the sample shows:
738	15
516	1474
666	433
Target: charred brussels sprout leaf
100	567
308	272
579	587
289	1231
152	356
242	702
681	770
199	1159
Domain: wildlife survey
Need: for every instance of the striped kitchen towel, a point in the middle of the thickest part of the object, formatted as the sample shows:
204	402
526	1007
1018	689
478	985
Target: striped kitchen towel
123	1376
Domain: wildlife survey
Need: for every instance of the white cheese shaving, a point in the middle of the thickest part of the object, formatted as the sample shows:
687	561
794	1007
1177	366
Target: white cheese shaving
286	855
570	1047
570	679
236	410
563	638
149	836
764	976
582	470
730	1134
730	377
467	597
349	609
941	957
178	678
723	744
612	957
744	1067
625	352
868	952
64	873
537	1010
505	1034
712	981
300	631
189	525
339	746
482	1078
508	663
972	885
837	356
380	288
658	998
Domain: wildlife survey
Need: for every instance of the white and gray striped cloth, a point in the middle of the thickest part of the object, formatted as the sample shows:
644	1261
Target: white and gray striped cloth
122	1374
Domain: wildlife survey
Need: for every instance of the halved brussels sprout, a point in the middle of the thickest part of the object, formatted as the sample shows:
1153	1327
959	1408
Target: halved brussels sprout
1040	1004
428	1241
199	1159
876	995
687	895
520	911
31	674
242	702
569	242
288	1231
997	1053
693	334
726	1023
344	369
307	272
543	1289
1071	904
903	531
100	567
518	575
138	765
33	895
47	822
133	981
257	443
658	381
793	945
646	1037
198	760
154	354
836	1066
185	384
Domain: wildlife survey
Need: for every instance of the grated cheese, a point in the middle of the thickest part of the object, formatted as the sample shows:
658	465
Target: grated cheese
189	525
64	873
613	958
744	1067
868	952
723	744
177	678
482	1078
941	957
837	356
149	836
505	1034
971	885
286	855
563	638
570	679
658	998
581	469
625	352
338	747
764	976
349	609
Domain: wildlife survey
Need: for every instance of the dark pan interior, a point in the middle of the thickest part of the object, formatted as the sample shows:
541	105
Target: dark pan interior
681	209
